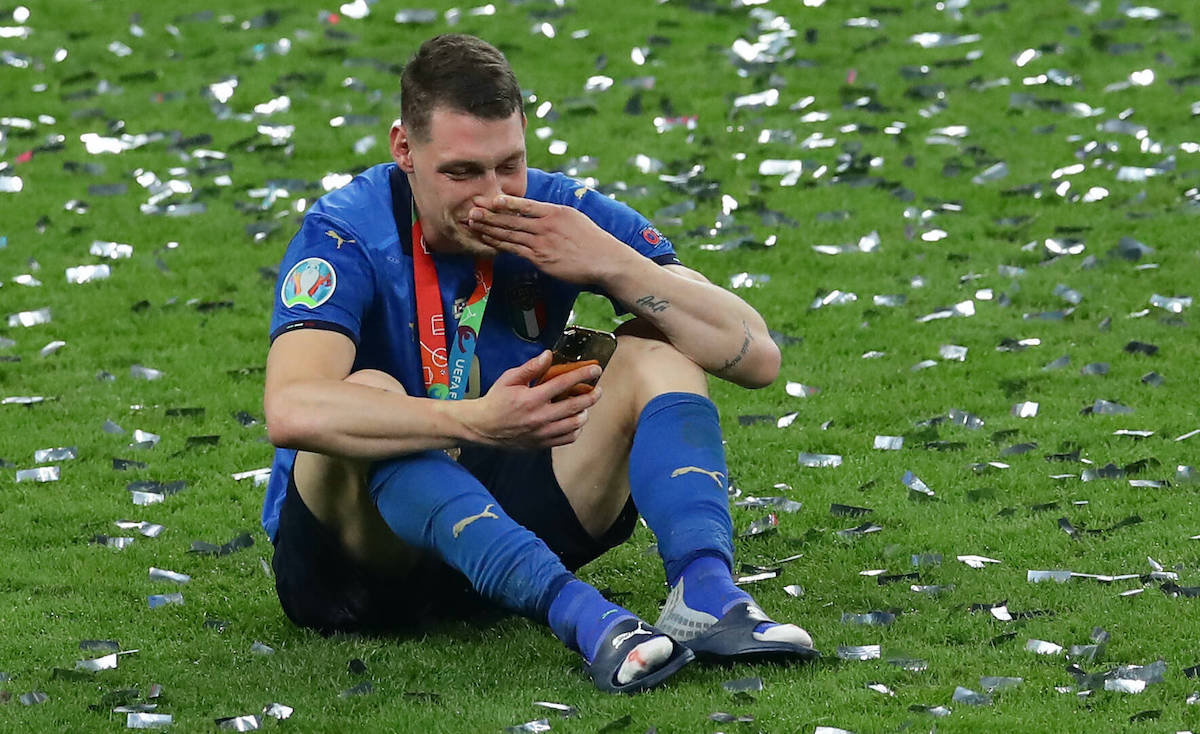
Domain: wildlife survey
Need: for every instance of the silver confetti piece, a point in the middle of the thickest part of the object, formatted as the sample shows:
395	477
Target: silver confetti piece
1106	407
881	688
45	456
29	318
1122	685
833	298
993	683
952	352
889	443
108	662
914	484
830	729
1060	576
148	721
160	600
876	618
797	390
249	722
859	652
51	348
819	460
1172	304
259	648
1042	647
278	711
977	561
863	529
994	172
416	16
142	498
159	574
940	40
890	301
743	685
563	709
786	420
970	698
748	280
117	542
88	273
1025	410
40	474
33	698
145	439
529	727
965	419
783	504
148	529
794	590
139	372
260	476
111	250
11	184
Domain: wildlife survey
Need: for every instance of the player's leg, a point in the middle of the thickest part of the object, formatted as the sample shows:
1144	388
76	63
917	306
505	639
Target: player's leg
425	504
655	435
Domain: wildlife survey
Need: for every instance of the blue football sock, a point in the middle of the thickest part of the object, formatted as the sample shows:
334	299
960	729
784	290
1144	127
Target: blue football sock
678	480
582	618
431	502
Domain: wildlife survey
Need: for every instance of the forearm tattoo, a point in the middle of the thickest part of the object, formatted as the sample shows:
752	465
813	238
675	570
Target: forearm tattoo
735	359
650	303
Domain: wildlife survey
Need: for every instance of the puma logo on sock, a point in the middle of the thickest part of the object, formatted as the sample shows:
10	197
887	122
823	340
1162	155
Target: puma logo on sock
717	476
463	523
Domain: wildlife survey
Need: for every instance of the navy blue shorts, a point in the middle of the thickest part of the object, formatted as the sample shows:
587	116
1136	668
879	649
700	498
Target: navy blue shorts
321	587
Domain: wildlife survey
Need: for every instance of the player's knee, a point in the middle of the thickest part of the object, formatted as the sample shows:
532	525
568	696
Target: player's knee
377	379
651	365
643	349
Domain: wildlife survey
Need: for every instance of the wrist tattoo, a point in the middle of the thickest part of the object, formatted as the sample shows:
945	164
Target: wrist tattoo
735	359
650	303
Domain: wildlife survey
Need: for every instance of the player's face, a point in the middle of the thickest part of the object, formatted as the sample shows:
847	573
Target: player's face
464	158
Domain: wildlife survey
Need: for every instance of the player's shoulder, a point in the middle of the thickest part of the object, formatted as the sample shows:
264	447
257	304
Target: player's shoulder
361	210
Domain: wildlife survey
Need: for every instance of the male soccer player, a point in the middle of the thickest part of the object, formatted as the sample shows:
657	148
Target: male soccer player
413	313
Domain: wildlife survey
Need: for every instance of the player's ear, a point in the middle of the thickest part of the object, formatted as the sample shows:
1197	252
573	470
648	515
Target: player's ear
401	146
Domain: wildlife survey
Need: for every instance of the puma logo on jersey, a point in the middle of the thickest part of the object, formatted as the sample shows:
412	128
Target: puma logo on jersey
717	476
340	240
621	638
462	524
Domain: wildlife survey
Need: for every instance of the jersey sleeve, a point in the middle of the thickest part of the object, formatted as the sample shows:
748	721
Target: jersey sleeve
626	224
326	280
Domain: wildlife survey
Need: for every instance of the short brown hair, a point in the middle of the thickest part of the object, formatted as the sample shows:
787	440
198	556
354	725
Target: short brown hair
458	71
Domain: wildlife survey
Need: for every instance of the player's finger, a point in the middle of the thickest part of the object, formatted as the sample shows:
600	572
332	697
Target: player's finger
560	384
511	248
513	222
519	205
516	236
523	374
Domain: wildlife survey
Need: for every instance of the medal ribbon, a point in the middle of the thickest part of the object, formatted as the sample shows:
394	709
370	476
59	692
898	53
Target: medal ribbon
445	378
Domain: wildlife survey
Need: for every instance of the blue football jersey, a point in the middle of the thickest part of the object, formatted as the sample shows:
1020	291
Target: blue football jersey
350	269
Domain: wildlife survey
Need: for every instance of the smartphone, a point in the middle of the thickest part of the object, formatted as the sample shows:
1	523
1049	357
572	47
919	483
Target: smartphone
580	347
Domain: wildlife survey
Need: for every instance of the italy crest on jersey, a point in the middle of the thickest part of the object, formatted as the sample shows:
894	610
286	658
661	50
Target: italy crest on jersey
309	283
527	306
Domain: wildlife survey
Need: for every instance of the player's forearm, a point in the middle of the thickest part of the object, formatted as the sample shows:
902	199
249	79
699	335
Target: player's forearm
340	418
713	327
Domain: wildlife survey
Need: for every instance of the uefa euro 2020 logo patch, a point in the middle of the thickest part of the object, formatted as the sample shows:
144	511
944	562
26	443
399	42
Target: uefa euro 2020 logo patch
309	283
